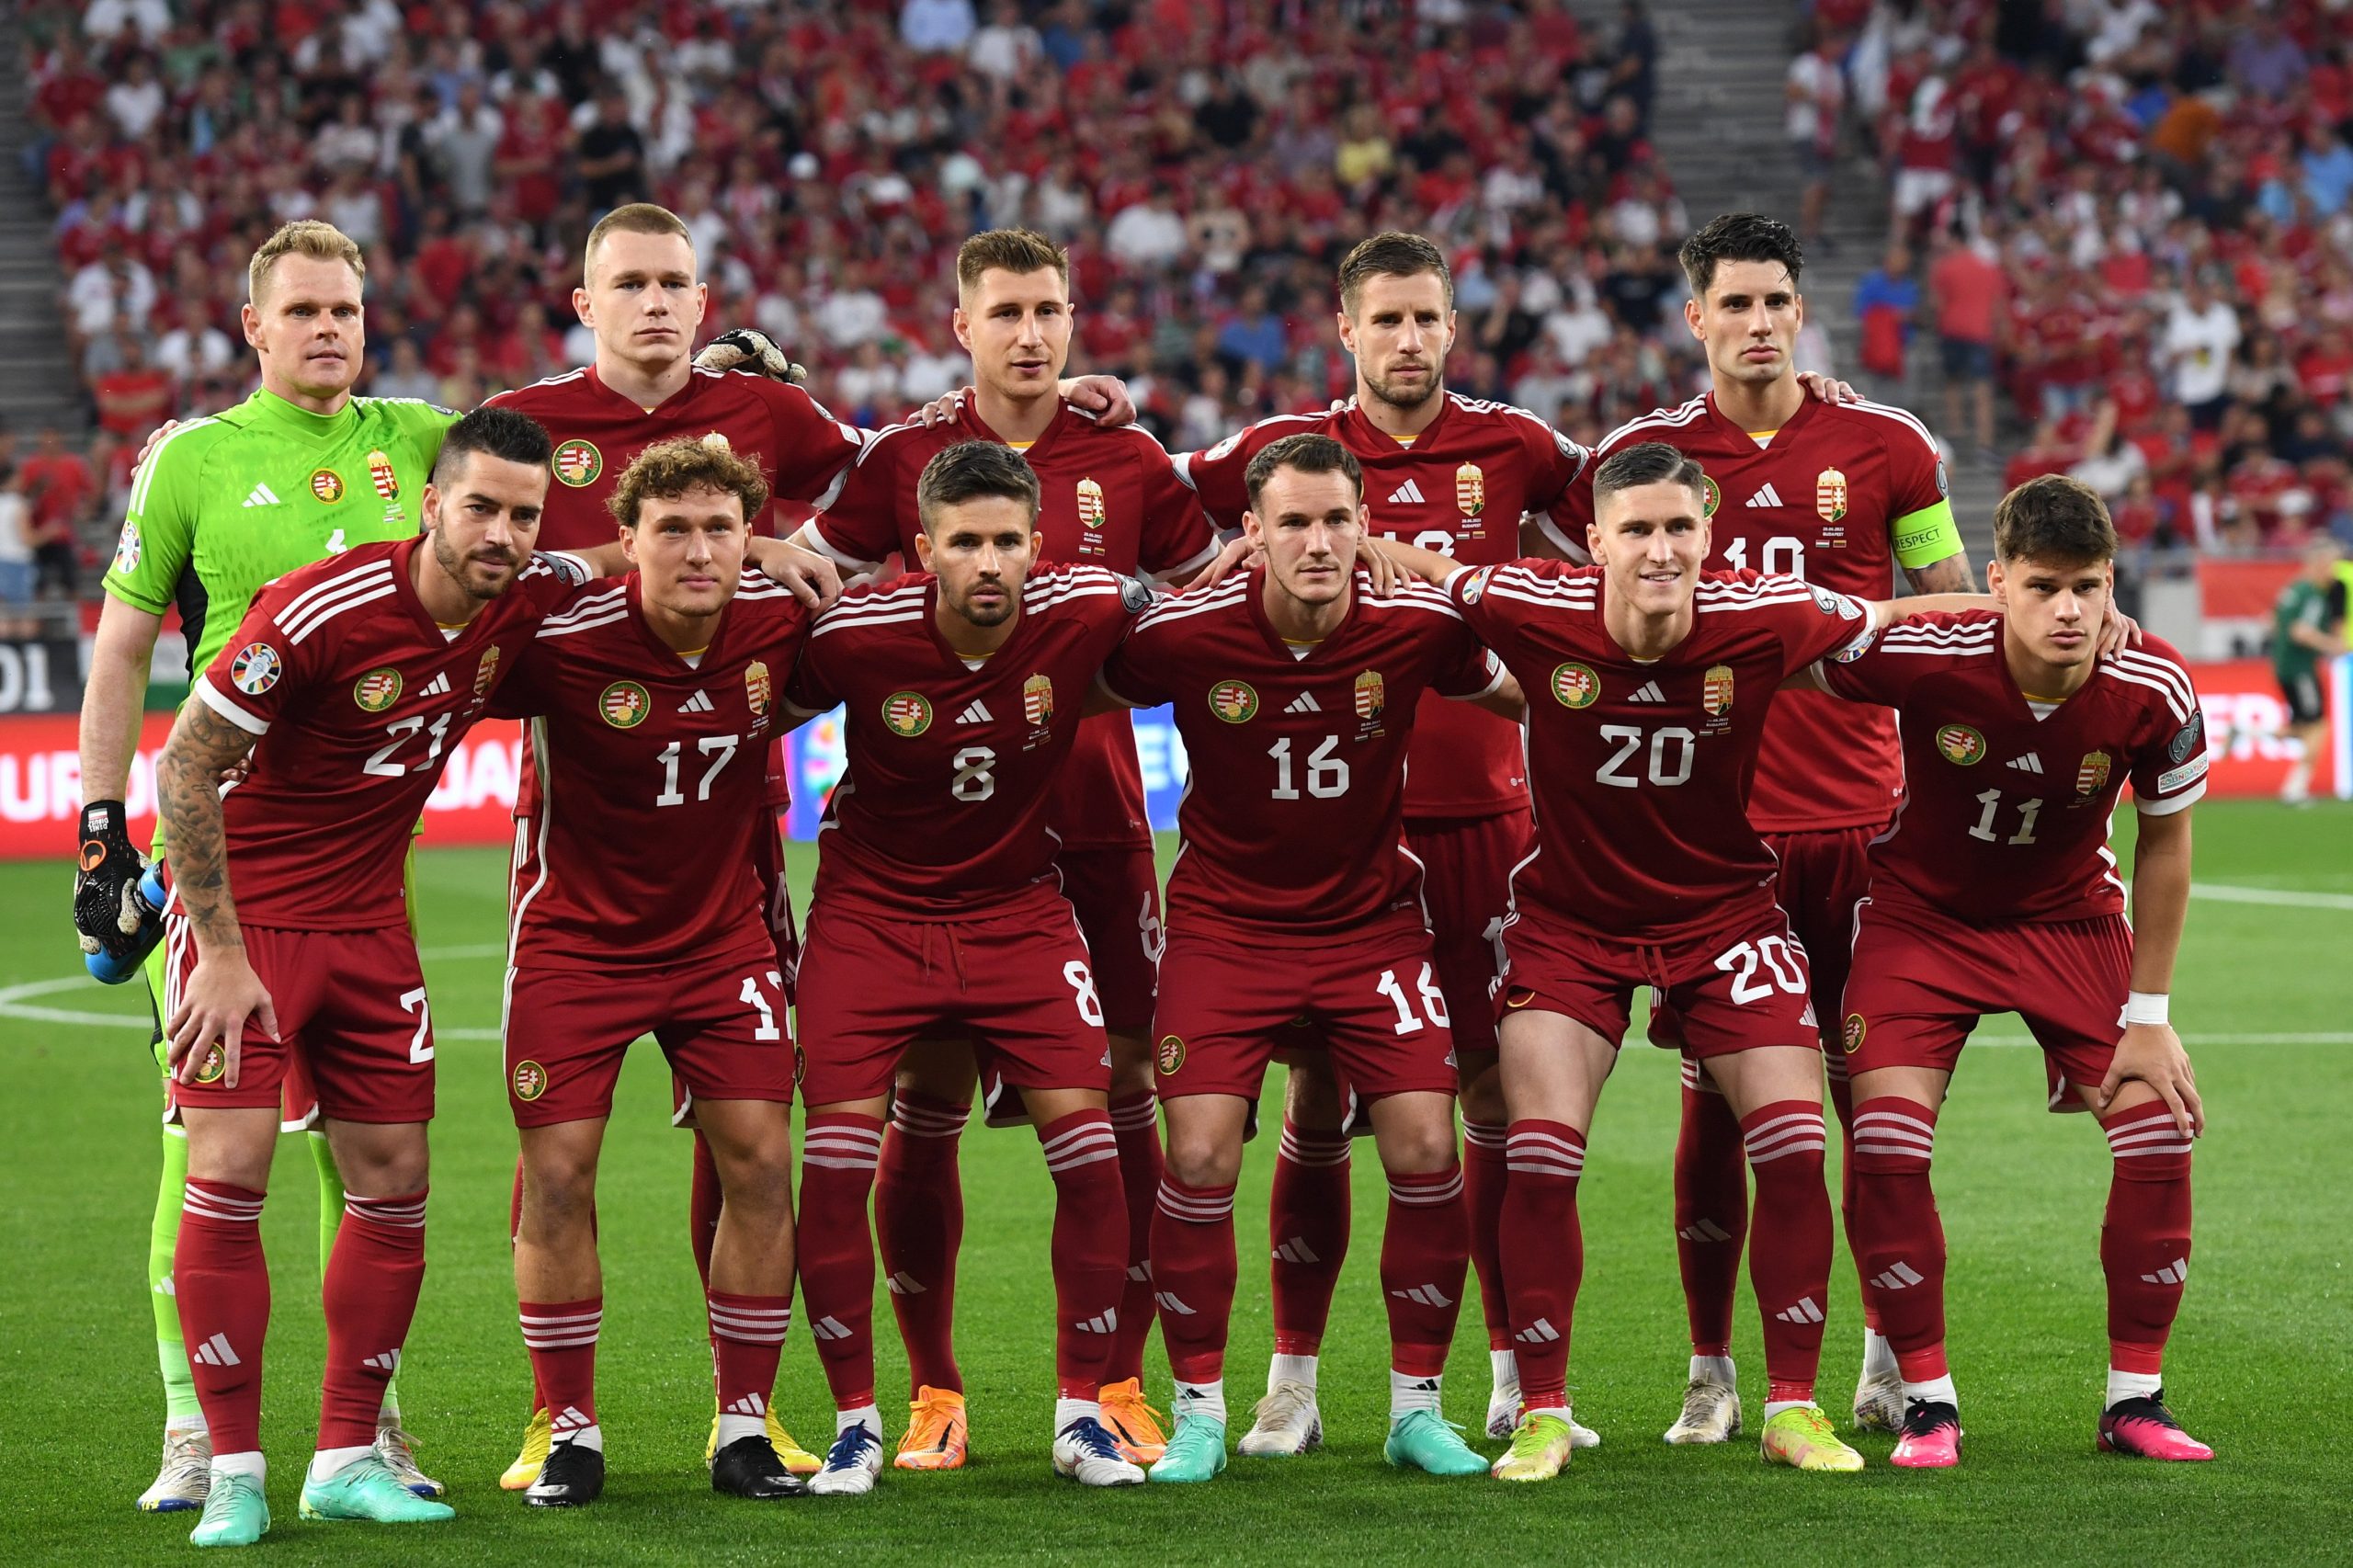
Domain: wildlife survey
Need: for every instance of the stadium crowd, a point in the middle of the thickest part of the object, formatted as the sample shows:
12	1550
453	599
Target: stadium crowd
2134	223
829	158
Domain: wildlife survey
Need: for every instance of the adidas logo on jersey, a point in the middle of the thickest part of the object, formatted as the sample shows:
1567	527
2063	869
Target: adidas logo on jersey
975	713
1648	692
1767	496
438	687
1406	494
1303	703
699	703
263	495
2029	763
215	1352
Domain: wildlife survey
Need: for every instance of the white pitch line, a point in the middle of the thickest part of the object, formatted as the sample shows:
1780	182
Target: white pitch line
2224	894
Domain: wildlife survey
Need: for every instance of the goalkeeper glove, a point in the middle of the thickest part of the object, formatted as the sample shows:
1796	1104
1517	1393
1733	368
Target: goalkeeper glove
753	351
107	912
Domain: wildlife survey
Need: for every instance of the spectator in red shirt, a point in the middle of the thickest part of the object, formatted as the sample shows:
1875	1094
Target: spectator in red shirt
1967	290
135	396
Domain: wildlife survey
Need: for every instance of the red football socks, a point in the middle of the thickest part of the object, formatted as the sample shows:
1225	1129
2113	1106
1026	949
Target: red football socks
2144	1241
370	1293
1484	1179
749	1334
1788	1260
839	1151
1135	1123
1307	1224
1710	1211
1899	1237
1194	1268
562	1339
1424	1256
1089	1248
919	1226
1543	1253
222	1283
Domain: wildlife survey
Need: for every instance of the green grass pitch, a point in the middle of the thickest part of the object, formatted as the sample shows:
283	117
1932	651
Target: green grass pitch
2259	1358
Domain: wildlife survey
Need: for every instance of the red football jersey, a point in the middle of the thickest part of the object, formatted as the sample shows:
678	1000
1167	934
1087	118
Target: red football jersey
1834	496
942	810
1641	770
358	698
1108	497
2010	797
1299	834
802	450
1460	488
637	839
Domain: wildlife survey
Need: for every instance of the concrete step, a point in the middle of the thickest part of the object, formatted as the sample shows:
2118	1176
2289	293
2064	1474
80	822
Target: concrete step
40	386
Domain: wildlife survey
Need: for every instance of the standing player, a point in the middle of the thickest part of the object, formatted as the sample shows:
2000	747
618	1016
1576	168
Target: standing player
349	682
1108	497
642	907
937	907
1995	890
1453	474
1652	683
1296	897
300	470
2307	627
1840	494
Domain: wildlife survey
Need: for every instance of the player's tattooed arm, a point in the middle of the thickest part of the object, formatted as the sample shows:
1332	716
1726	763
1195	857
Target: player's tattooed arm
1950	576
223	992
2150	1052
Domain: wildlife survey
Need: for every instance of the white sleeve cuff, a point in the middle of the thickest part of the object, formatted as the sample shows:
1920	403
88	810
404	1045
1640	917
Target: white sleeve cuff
212	697
2170	803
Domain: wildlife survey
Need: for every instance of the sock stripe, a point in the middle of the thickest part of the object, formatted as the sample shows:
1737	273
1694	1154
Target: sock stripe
217	1205
1195	1205
1135	1115
1085	1138
1792	1132
1533	1151
1427	1189
406	1213
848	1144
928	1118
1312	1148
1483	1135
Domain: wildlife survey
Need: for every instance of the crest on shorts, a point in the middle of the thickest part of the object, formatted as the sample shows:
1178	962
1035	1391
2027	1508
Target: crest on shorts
1830	495
577	462
2091	775
907	713
1372	697
529	1080
757	692
1963	747
255	668
380	476
1714	496
126	549
487	672
624	705
1471	489
1233	701
1851	1037
1715	690
377	690
215	1063
1038	700
327	486
1090	504
1169	1055
1575	685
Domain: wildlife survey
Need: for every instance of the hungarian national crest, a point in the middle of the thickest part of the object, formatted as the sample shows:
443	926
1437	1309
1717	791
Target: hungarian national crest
907	713
486	672
1233	701
757	690
2091	776
1714	497
327	486
577	462
624	705
1471	489
1574	686
1830	495
1090	504
1962	746
1038	701
377	690
1715	691
1372	697
380	476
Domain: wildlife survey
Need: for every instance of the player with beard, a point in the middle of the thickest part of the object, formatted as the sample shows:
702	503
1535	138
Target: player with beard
1111	497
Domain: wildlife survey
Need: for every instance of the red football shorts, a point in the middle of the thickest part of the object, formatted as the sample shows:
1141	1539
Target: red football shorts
723	1026
1116	894
1467	864
1372	998
768	864
1920	981
1823	877
1743	987
1016	980
351	1015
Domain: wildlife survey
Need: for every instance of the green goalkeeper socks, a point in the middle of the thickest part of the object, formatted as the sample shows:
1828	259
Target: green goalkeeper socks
162	1237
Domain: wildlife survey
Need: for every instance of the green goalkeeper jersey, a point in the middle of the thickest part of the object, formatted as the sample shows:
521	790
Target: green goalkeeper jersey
225	503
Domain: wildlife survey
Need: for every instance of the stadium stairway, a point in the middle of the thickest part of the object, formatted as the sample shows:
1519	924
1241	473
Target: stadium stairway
39	387
1717	124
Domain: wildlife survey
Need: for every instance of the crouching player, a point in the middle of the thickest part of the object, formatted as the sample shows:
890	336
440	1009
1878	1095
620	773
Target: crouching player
1995	890
1295	690
350	682
637	910
937	908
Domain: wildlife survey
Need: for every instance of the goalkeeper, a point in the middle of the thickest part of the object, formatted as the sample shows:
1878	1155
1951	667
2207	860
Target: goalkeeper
300	470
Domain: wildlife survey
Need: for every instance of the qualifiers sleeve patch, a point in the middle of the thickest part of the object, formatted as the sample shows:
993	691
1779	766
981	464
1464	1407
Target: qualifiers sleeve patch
2188	773
1927	536
255	668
